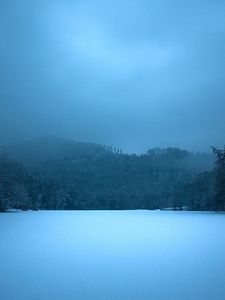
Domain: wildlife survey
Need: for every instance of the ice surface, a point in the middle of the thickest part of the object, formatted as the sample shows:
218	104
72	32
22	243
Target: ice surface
112	255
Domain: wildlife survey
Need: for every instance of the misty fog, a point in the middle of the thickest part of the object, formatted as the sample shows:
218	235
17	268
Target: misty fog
131	74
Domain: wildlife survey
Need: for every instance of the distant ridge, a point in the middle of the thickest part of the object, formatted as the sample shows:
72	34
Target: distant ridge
46	148
49	147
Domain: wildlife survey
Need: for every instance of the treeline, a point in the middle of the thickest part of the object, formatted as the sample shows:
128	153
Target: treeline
23	188
52	173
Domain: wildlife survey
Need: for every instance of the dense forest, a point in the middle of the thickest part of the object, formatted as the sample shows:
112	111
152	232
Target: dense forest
55	173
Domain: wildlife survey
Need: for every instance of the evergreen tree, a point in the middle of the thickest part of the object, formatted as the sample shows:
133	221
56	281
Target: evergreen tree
220	178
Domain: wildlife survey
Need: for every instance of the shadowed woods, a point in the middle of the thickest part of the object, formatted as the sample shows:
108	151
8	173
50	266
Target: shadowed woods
55	173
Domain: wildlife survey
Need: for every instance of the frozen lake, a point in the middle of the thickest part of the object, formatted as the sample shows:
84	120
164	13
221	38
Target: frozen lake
116	255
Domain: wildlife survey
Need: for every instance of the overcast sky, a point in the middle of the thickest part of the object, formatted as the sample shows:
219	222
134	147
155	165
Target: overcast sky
128	73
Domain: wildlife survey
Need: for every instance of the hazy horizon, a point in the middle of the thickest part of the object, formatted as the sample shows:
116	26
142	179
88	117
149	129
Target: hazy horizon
41	138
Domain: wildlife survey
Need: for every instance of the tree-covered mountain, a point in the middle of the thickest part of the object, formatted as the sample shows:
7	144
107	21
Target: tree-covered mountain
51	148
74	175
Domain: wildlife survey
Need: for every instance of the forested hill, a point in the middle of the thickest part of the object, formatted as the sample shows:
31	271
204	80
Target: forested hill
50	148
73	175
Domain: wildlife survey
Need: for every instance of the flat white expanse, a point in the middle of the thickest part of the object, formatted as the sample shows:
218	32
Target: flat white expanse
116	255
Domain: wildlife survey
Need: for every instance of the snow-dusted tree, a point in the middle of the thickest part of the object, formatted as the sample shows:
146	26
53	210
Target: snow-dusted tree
4	198
61	199
21	197
220	178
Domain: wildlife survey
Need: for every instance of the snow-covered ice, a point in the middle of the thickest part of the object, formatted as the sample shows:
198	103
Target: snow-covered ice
112	255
